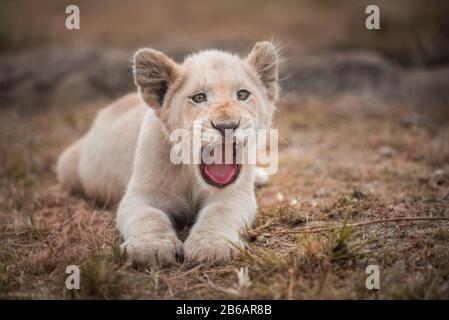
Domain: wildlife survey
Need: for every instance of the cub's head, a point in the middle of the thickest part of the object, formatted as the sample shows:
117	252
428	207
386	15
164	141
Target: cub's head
222	92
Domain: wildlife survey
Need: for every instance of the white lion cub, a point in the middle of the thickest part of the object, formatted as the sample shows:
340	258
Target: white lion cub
126	153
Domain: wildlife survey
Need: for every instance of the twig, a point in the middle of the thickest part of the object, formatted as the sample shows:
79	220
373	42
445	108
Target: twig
360	224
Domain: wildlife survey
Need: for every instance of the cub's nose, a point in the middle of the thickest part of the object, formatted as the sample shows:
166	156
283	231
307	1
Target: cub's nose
222	126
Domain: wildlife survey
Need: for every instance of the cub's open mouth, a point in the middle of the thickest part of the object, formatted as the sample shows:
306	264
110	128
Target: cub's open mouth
220	173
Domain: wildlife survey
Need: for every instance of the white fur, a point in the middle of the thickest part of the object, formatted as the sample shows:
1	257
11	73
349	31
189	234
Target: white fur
125	155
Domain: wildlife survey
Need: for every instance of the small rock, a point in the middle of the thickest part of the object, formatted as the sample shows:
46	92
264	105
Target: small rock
414	120
333	215
387	151
321	193
357	194
279	197
439	177
445	196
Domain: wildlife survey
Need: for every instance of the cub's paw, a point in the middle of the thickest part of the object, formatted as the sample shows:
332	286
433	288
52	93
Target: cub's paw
152	250
211	248
261	177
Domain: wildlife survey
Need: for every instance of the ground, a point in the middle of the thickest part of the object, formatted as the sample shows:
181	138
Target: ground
338	166
364	133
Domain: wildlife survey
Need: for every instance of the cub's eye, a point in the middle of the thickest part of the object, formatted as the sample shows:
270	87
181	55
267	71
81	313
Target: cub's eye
243	95
199	97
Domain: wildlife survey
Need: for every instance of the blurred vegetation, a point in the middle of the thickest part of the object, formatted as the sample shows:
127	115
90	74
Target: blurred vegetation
412	32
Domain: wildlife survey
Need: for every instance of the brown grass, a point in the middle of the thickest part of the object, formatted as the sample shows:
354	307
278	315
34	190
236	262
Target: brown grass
337	166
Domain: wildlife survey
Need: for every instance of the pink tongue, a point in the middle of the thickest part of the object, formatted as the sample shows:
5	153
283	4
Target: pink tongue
220	173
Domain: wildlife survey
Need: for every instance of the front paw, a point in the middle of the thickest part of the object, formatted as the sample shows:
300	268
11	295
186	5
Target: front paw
211	248
152	249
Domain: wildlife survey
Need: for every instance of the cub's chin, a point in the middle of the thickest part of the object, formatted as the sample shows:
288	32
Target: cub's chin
219	173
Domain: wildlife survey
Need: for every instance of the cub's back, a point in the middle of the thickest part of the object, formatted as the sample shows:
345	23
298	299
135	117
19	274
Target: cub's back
107	149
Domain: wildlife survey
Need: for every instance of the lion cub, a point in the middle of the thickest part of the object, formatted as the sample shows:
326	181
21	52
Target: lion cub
125	156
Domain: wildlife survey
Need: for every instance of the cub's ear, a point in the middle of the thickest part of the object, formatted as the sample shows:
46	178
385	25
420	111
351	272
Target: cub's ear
264	59
154	72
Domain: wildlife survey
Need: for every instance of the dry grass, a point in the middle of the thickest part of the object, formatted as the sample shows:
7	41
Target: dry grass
340	163
337	166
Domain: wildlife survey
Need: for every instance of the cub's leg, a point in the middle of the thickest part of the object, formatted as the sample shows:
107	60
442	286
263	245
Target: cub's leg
67	167
215	236
150	238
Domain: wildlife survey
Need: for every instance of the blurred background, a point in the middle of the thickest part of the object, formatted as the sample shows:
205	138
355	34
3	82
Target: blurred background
327	48
412	33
